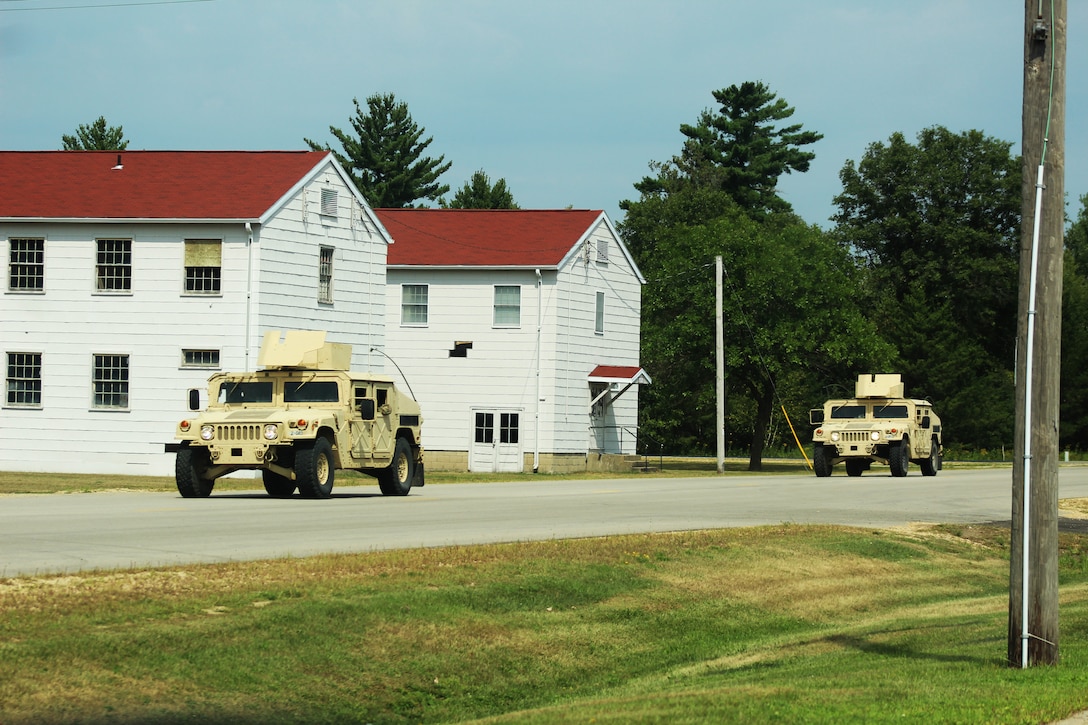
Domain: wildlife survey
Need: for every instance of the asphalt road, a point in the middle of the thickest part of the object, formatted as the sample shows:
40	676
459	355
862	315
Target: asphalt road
45	534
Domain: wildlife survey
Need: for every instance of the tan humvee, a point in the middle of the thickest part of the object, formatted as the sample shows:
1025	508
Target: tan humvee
877	425
299	419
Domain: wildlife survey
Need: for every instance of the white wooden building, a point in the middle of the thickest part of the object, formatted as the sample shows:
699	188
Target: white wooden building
518	332
133	276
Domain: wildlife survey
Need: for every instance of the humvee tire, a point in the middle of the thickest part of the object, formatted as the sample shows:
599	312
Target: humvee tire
899	457
396	479
820	461
855	466
931	465
314	471
189	467
276	485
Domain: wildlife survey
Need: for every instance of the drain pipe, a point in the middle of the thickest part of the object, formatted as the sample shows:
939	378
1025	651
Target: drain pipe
249	289
539	357
1024	634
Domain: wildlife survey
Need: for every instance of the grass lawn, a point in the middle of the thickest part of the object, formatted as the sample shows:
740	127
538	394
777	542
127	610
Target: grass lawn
776	624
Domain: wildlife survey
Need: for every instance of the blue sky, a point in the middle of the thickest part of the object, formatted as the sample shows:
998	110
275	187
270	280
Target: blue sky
566	100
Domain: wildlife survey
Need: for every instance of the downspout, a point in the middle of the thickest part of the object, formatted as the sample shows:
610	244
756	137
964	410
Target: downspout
539	357
249	289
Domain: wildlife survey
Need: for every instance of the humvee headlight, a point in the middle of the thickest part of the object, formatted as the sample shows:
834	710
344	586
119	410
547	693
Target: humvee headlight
207	432
271	432
874	436
835	435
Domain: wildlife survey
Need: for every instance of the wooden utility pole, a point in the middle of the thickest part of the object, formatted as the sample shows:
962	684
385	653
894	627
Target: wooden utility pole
1033	572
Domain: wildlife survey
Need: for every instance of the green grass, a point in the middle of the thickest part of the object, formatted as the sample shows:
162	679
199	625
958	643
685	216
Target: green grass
772	624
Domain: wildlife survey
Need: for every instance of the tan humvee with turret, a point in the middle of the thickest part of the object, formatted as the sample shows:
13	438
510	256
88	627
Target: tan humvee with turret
299	419
877	425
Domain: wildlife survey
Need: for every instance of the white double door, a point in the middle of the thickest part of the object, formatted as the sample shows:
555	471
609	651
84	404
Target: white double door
496	441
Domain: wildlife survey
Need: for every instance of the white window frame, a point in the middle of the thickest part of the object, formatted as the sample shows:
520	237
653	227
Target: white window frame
110	390
24	388
113	267
325	257
506	309
201	275
207	359
598	318
26	266
412	306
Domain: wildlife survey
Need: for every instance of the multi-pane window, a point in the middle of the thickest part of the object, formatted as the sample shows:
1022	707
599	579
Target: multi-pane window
485	428
110	382
26	265
113	265
508	427
598	324
200	358
324	275
203	266
507	305
413	304
24	379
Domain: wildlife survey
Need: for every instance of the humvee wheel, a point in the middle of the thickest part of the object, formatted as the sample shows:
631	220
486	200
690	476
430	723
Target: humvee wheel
396	479
855	467
820	462
931	465
314	471
899	457
189	468
276	485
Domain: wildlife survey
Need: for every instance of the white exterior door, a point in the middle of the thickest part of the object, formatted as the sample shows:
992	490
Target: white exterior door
496	442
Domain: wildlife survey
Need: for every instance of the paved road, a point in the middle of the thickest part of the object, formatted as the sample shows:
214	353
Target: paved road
41	534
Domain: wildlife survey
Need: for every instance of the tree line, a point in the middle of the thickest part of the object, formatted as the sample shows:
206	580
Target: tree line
917	276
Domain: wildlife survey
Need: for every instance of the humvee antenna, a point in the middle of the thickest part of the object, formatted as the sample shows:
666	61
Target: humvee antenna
409	385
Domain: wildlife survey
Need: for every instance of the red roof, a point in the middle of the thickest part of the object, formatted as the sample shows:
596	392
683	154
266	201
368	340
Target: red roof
148	184
619	374
484	237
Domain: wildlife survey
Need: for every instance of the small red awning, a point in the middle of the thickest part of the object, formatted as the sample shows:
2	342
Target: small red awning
626	374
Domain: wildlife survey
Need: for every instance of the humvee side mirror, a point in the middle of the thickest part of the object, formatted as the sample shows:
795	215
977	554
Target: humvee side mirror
366	409
194	399
925	422
816	416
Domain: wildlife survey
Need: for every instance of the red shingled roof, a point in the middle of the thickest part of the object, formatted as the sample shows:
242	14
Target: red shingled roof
150	184
484	237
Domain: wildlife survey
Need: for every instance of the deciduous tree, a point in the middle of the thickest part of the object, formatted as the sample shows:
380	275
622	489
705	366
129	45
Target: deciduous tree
937	224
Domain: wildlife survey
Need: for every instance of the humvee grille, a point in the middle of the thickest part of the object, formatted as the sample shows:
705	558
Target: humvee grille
238	432
854	436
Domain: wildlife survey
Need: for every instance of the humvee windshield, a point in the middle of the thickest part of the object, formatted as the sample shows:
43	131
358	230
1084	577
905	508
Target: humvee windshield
890	411
260	392
324	391
848	412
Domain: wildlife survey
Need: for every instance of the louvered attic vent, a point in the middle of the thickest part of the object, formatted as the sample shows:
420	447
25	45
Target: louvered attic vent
328	202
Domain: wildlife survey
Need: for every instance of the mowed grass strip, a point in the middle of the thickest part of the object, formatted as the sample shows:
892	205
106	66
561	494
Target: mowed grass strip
772	624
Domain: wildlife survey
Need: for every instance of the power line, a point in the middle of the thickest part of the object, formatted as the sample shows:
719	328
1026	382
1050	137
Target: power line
94	6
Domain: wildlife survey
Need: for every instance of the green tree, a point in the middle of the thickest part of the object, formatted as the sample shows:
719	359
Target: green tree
740	149
937	224
1074	385
479	193
96	136
385	156
789	320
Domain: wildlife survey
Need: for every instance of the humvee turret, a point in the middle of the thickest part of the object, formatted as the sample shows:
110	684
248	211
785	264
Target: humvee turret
298	420
877	425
